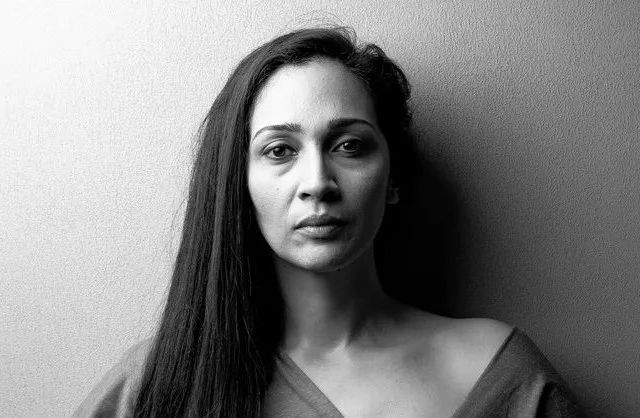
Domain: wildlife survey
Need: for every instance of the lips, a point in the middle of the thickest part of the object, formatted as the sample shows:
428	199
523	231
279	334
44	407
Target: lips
323	220
321	227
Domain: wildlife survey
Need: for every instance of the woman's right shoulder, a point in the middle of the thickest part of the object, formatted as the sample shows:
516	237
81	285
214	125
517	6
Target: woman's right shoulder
115	394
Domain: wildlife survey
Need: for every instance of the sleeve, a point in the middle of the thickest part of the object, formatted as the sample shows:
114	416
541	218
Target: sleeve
115	394
537	389
556	400
521	383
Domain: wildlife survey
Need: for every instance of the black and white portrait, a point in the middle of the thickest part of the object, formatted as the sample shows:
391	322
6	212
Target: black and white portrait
329	209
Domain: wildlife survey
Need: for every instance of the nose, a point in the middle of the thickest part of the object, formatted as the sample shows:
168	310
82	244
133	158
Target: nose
317	179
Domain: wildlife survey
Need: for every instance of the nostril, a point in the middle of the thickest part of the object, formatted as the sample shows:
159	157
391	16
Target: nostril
316	178
326	191
328	195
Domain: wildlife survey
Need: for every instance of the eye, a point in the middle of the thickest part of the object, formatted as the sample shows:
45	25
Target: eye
279	152
351	146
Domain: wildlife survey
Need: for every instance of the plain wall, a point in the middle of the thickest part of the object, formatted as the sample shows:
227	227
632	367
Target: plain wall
530	115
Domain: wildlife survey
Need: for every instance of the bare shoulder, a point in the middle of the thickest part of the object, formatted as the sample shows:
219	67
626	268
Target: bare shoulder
470	347
462	348
459	332
483	331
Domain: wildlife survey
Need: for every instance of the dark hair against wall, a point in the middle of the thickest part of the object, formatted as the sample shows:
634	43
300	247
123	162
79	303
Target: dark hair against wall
214	351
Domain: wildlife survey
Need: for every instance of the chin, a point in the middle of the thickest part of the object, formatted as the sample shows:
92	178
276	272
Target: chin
324	260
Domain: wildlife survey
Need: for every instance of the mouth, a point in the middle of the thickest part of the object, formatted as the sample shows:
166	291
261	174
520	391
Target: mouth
319	221
320	226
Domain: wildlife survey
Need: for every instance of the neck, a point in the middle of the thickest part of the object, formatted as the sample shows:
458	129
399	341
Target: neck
329	311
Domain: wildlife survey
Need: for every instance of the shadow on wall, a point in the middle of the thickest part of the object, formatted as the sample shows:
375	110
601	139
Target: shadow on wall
423	247
419	242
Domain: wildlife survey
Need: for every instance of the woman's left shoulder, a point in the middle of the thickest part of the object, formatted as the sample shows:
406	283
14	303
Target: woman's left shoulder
483	331
510	362
509	344
472	334
472	344
483	358
462	347
471	340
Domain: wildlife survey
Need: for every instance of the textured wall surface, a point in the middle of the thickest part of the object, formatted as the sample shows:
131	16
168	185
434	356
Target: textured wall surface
530	115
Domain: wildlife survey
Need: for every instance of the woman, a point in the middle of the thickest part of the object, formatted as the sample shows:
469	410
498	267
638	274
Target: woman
275	306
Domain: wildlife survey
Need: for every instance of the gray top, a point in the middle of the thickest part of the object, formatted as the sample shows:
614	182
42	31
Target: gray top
518	382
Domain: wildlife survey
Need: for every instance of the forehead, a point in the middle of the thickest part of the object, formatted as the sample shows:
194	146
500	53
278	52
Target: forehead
310	95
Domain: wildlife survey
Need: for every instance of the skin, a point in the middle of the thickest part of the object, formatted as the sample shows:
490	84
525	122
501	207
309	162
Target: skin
330	285
370	355
317	169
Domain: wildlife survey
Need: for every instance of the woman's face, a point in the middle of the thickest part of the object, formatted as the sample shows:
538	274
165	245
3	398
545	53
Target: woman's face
318	165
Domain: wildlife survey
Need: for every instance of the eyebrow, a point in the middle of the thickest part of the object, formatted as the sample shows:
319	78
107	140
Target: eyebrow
334	124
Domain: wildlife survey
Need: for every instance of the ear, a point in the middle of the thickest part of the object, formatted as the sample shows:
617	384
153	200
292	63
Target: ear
393	195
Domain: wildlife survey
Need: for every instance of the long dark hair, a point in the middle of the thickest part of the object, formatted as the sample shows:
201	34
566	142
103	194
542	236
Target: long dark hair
214	351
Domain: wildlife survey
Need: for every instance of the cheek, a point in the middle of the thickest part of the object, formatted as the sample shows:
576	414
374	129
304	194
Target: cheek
372	200
268	201
264	199
372	186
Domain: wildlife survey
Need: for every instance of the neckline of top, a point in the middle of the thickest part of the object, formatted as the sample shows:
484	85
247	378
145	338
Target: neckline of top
324	401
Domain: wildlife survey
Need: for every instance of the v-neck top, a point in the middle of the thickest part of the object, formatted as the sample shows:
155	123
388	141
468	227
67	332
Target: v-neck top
518	382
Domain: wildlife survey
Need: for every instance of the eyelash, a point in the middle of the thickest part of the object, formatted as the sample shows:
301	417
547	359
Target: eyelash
359	143
269	150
